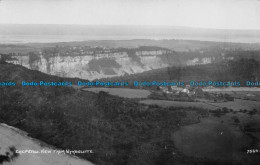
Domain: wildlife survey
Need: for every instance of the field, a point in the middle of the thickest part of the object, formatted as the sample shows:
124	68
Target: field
166	103
239	104
122	92
223	137
217	138
245	93
234	105
244	99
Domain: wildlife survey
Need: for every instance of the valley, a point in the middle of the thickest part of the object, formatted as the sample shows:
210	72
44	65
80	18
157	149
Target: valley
128	124
129	82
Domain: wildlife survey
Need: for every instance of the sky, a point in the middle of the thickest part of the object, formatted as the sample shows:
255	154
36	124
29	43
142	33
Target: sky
217	14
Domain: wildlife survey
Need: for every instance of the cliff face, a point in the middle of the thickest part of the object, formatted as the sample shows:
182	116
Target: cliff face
92	67
95	63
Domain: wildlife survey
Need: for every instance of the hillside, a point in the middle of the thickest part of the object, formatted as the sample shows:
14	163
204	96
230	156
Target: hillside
118	130
238	70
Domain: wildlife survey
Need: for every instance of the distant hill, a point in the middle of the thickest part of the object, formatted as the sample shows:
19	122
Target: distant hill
173	44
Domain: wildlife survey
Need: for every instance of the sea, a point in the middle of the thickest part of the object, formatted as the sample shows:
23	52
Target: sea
15	34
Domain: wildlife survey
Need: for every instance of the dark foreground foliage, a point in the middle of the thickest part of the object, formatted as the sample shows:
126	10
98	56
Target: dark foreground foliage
9	156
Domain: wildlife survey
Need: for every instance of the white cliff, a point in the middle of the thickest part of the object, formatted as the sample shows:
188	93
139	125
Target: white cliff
79	65
94	63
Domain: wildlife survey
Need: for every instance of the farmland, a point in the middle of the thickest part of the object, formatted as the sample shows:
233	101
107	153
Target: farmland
121	92
218	138
235	105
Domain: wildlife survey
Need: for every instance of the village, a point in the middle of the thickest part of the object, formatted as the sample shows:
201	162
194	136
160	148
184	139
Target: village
189	94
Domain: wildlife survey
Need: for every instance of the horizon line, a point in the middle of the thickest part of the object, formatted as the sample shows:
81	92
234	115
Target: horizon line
124	25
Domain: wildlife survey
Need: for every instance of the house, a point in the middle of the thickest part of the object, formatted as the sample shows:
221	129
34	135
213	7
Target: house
185	90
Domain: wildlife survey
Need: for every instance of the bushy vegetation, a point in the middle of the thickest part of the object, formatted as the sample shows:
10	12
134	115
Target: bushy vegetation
220	112
10	155
103	64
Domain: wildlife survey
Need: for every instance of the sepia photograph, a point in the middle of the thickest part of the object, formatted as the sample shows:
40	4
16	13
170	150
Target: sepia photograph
129	82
